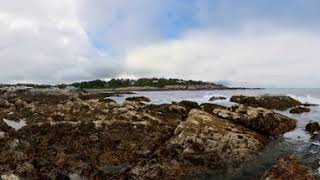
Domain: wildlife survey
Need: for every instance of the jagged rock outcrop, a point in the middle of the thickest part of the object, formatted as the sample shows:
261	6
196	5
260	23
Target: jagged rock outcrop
268	102
214	142
288	168
299	110
261	120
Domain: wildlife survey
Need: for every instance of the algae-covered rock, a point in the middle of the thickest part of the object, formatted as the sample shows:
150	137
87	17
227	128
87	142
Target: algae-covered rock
288	168
214	142
214	98
261	120
299	110
96	138
188	105
269	102
138	98
313	128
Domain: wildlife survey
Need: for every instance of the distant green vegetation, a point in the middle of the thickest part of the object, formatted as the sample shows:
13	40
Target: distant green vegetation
143	82
120	83
96	84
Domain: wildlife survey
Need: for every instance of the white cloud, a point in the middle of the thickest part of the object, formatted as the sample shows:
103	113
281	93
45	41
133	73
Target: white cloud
53	41
122	24
281	58
44	41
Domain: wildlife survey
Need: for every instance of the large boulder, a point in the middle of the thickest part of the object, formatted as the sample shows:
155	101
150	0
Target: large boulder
288	168
313	128
138	98
299	110
269	102
259	119
214	142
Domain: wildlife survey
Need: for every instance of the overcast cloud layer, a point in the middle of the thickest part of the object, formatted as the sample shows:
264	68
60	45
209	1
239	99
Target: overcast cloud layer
246	43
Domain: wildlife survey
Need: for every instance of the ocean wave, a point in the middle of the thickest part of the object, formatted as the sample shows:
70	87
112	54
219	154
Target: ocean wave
316	143
306	99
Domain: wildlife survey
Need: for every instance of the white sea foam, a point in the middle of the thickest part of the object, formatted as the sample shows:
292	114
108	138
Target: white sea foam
306	99
316	143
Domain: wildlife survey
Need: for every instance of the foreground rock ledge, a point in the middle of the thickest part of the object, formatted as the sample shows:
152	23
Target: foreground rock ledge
288	168
67	134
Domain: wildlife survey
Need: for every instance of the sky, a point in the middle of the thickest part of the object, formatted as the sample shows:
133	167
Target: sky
266	43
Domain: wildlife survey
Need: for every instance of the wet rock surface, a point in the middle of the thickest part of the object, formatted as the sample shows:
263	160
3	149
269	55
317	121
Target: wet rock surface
214	142
288	168
261	120
299	110
313	128
268	102
88	137
138	98
214	98
66	134
308	104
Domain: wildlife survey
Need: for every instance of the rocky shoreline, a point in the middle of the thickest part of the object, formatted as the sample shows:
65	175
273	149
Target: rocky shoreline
69	134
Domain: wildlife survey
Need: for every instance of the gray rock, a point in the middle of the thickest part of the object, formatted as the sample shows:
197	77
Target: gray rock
268	102
261	120
215	142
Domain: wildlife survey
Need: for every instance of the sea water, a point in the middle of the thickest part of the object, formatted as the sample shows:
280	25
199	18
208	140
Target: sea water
296	142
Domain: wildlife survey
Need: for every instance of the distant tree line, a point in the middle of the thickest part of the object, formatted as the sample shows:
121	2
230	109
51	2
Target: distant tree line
119	83
143	82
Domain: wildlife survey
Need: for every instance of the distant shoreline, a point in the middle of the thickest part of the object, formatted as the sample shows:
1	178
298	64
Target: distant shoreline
143	89
129	85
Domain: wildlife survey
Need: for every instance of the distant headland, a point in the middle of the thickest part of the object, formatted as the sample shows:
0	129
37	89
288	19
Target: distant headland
142	84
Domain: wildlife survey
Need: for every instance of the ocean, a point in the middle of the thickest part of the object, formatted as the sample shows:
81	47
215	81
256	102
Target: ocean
296	142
